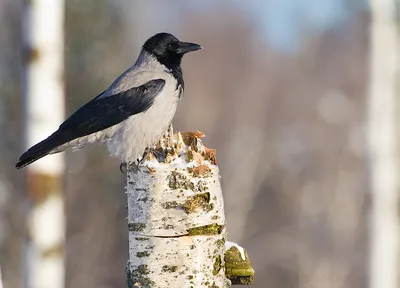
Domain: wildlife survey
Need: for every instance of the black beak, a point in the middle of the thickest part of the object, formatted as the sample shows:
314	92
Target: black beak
185	47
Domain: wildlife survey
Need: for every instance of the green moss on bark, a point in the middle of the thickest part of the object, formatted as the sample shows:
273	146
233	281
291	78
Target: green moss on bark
170	205
170	268
143	254
141	238
239	271
212	229
201	200
137	276
136	227
217	265
178	180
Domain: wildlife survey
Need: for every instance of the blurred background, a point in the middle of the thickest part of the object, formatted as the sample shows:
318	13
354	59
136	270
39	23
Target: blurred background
280	90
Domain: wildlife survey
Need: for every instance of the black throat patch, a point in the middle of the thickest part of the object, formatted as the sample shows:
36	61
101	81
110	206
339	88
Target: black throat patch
177	73
173	64
172	61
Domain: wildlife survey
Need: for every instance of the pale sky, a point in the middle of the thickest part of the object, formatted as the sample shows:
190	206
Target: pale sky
283	21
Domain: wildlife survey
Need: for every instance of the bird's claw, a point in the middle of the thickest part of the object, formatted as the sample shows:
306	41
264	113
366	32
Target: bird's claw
123	167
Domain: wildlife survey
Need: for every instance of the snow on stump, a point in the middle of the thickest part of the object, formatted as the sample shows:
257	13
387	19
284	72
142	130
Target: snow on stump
176	219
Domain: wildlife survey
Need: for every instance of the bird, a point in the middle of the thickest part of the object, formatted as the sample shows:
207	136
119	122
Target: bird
133	113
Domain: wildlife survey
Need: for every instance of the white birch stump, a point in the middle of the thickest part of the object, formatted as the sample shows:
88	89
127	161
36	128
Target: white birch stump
176	219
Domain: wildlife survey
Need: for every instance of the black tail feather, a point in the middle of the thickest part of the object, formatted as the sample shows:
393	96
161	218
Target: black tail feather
38	151
27	159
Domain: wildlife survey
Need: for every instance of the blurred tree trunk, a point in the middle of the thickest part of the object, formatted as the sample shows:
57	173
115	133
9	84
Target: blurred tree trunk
383	119
1	279
44	111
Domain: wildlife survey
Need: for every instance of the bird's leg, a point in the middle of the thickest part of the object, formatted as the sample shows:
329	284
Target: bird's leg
145	154
157	154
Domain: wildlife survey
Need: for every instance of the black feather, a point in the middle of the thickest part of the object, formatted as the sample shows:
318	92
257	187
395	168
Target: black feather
96	115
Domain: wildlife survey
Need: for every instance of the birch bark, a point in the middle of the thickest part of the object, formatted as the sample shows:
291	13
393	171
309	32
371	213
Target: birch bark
176	217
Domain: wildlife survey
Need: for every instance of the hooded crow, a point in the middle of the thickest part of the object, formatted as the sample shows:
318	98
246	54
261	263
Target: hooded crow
133	113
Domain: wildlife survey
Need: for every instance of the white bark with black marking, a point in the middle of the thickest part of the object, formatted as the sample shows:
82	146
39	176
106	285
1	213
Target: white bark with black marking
176	219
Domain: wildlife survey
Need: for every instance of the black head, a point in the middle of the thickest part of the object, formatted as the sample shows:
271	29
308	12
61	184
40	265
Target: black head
168	49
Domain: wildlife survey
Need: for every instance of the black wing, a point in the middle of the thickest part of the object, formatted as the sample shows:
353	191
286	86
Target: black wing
96	115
